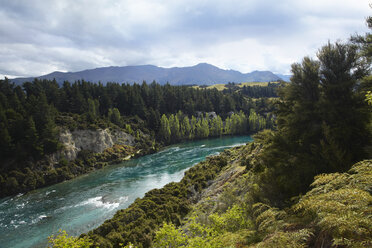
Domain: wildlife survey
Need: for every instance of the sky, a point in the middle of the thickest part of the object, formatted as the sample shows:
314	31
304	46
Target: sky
38	37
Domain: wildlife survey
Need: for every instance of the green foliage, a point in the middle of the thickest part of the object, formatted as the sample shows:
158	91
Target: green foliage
340	205
43	174
165	131
336	212
137	224
234	219
297	239
114	117
169	236
62	240
369	97
321	120
93	109
321	128
31	114
172	130
196	236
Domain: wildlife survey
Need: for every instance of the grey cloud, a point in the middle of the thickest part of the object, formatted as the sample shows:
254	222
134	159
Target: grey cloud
37	36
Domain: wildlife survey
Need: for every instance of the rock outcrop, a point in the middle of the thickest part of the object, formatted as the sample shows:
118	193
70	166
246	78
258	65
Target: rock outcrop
92	140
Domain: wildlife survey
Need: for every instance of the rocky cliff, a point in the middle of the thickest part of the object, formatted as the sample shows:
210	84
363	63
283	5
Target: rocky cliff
92	140
104	146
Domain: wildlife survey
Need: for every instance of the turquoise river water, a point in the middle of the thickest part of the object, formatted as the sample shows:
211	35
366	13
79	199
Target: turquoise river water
84	203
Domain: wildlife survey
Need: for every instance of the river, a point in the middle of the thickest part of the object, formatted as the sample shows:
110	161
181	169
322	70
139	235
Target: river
83	203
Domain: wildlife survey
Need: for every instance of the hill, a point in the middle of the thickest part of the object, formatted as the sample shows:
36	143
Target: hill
239	85
200	74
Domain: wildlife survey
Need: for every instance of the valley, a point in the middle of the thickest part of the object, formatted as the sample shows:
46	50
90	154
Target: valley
132	154
84	203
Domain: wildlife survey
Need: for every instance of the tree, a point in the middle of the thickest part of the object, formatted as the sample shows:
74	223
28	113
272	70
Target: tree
153	119
186	128
169	236
216	126
193	127
49	137
5	138
31	140
228	126
321	127
343	120
174	126
62	240
115	117
165	132
205	128
253	121
93	109
369	97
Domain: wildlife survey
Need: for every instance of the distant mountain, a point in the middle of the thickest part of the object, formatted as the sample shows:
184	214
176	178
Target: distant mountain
200	74
286	78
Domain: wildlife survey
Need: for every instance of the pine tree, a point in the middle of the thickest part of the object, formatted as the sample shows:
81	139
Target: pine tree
193	127
93	110
174	126
343	120
6	145
165	132
31	140
186	128
115	117
320	125
205	128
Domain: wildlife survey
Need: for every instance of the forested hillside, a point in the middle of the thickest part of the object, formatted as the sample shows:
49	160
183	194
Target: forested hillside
33	116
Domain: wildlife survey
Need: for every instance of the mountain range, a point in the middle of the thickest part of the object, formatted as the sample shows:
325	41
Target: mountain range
200	74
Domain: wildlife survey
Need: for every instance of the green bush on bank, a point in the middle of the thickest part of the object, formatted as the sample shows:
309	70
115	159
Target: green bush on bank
137	223
336	212
43	173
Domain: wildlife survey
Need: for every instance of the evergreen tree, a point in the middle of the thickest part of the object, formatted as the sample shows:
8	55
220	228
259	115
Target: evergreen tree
186	128
253	121
320	125
204	128
174	126
31	140
153	119
49	137
115	117
228	126
93	110
343	121
165	132
193	127
6	145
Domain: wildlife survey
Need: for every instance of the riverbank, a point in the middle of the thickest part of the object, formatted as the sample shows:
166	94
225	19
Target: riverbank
84	203
222	202
91	150
137	224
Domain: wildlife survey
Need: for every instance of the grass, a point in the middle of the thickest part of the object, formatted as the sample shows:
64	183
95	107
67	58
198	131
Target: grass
221	87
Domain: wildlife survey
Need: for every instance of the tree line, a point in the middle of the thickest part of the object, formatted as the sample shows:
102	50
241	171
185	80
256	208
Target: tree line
29	114
178	127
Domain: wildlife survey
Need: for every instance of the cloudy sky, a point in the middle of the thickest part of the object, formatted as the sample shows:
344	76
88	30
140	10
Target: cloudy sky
41	36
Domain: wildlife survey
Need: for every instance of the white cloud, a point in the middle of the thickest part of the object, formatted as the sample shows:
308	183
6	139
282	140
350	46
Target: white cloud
38	37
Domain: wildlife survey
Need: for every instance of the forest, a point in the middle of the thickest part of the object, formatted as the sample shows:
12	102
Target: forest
305	184
33	115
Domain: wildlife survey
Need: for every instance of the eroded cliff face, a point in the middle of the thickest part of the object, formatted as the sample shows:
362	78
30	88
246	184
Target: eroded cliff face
92	140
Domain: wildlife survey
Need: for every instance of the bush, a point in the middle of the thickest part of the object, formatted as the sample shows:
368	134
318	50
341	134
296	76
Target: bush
62	240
